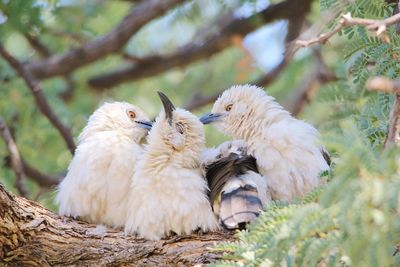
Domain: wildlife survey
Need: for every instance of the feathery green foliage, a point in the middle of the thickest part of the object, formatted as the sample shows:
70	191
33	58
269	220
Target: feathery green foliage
353	220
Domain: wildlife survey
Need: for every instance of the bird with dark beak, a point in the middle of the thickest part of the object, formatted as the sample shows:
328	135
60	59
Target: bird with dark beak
288	151
96	186
168	192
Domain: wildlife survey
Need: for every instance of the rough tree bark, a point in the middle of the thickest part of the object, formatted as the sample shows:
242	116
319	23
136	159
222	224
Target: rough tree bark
31	235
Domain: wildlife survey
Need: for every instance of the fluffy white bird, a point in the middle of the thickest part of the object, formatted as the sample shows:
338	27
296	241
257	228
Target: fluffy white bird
238	192
168	193
287	150
98	179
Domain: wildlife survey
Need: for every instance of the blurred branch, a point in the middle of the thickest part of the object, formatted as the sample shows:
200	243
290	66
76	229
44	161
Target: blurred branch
43	179
393	136
200	100
102	46
379	26
67	35
15	159
45	52
131	1
306	90
395	11
383	84
40	98
273	74
295	24
155	64
68	92
36	44
389	86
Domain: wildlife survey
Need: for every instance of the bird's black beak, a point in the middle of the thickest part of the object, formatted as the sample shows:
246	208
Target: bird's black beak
168	106
210	117
145	124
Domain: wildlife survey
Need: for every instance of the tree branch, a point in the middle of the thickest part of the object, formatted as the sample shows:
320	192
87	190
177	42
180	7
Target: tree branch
200	100
393	136
381	83
15	159
32	235
389	86
45	52
68	93
36	44
43	179
155	64
40	98
100	47
379	26
304	93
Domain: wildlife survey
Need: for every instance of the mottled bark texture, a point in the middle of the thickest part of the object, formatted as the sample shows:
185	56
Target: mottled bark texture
31	235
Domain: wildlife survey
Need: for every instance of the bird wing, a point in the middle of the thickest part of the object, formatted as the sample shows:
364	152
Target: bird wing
326	155
246	163
98	179
240	200
218	173
239	207
80	188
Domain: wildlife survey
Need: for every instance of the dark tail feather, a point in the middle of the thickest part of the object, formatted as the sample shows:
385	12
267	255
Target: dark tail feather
239	207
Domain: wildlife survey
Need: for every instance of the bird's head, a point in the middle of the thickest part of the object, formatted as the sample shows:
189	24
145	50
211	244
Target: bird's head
177	130
118	116
241	108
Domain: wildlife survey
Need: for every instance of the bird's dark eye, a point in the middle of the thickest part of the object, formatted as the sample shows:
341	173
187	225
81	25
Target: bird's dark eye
228	107
180	128
131	114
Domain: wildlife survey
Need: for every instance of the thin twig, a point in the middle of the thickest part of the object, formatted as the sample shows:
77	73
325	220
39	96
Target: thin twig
16	164
36	44
45	52
40	98
387	85
381	83
379	26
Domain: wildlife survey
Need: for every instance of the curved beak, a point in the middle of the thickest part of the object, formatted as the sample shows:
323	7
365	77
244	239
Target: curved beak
145	124
210	117
168	106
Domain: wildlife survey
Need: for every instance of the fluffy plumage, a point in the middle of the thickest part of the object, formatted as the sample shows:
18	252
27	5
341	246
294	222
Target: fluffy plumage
168	193
287	150
97	183
238	192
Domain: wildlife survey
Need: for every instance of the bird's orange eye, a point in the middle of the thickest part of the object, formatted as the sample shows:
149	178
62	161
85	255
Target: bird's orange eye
228	107
131	114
